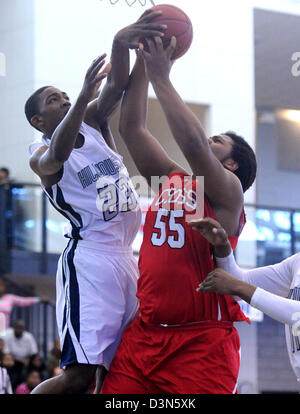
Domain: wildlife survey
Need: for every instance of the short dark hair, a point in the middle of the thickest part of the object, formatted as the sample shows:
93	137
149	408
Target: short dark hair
244	155
31	105
5	170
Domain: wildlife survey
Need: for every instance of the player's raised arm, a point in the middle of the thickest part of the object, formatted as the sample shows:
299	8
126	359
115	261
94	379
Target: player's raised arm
48	161
118	69
149	156
222	187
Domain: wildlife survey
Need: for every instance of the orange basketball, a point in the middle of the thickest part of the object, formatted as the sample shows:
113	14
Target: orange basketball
179	25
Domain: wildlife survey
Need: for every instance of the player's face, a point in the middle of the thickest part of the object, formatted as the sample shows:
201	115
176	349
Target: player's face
33	380
221	146
53	107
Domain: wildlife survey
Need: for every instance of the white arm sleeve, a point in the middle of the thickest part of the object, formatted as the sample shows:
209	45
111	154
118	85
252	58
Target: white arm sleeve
276	278
283	310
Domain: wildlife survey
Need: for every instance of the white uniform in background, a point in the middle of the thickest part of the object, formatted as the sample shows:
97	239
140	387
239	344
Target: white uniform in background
5	384
97	272
277	295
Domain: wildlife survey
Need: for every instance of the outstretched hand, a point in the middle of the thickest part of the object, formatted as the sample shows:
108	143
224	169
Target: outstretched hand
131	35
94	78
221	282
158	61
211	230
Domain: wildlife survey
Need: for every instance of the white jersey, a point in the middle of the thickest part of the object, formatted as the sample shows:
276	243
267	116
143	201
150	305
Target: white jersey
95	193
274	283
5	384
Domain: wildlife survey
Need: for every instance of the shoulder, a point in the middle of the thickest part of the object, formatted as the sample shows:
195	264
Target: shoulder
7	297
22	389
28	335
35	157
292	263
9	334
288	267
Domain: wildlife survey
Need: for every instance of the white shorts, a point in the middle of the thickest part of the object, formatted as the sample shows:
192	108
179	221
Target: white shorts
96	300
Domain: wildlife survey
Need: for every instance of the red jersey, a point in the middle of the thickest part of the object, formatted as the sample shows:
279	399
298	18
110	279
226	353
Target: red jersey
174	259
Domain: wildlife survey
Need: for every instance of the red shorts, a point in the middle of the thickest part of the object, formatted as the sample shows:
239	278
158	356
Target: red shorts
194	359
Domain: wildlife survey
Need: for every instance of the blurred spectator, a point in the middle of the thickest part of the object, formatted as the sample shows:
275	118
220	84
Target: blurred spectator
33	379
53	358
7	301
5	176
5	384
15	375
36	363
20	343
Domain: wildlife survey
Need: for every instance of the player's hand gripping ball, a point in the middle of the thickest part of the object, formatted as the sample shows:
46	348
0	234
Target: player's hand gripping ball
178	25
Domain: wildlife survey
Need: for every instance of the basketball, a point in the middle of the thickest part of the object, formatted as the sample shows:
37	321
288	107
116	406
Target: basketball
179	25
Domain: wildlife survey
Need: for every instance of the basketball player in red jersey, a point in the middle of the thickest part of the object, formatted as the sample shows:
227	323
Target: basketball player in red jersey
181	342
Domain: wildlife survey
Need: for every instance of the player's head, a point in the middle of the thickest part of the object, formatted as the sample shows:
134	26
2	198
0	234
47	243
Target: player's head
19	328
236	155
46	108
4	174
33	379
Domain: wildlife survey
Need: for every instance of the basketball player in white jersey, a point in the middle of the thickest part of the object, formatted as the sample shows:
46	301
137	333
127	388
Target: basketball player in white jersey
86	181
274	290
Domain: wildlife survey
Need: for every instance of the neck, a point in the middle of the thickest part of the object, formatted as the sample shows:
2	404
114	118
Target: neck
48	133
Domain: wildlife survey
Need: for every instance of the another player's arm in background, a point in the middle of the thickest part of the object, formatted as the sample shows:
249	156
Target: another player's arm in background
276	278
281	309
262	288
118	69
149	156
48	161
222	187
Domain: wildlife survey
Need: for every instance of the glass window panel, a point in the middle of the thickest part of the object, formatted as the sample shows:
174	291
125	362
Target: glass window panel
266	237
26	209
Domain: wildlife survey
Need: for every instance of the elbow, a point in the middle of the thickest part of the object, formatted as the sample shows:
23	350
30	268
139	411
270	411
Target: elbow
125	126
58	157
194	145
124	131
129	130
116	89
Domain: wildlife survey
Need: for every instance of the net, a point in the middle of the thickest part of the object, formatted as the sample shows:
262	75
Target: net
131	2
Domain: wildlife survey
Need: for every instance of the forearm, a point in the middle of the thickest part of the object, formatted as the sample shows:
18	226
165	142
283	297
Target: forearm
243	290
134	105
64	137
149	156
24	301
119	74
227	262
274	278
117	81
281	309
223	250
184	125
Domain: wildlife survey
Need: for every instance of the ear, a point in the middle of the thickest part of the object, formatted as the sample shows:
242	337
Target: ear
230	164
37	122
